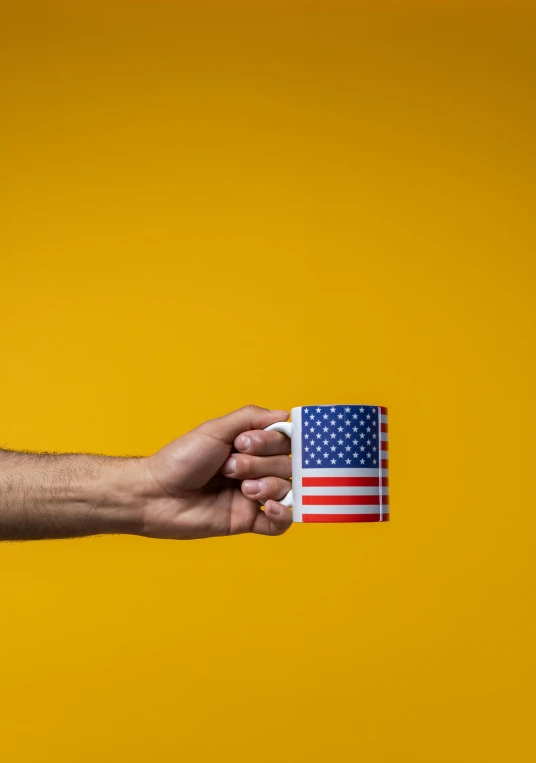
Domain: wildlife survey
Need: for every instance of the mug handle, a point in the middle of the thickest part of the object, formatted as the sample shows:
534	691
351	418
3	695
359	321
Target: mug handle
286	427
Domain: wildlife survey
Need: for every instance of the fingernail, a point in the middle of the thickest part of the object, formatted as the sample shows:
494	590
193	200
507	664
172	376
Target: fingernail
282	413
274	509
252	486
229	467
243	443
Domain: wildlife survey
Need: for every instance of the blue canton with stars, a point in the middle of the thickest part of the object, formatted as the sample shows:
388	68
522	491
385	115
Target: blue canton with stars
340	436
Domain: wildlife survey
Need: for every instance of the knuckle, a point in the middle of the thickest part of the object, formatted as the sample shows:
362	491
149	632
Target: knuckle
243	465
260	444
285	466
270	485
250	410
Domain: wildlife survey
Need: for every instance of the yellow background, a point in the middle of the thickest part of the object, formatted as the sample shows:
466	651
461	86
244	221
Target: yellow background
203	208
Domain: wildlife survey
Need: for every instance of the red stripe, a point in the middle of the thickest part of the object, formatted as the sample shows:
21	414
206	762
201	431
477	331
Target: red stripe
384	427
384	444
342	500
345	518
385	481
385	463
383	410
340	481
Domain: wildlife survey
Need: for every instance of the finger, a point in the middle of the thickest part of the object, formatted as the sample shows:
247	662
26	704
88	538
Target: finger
274	520
247	516
241	467
260	443
266	488
226	428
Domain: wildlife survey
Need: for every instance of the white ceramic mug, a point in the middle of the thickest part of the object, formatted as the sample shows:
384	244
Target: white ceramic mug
340	463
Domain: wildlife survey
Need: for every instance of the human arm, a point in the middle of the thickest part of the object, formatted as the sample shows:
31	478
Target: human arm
184	491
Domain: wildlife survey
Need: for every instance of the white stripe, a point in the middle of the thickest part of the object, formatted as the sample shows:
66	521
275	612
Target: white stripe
344	472
296	464
384	436
345	510
383	419
365	490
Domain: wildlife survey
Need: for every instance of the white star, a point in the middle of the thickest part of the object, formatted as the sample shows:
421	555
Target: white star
373	436
374	449
306	423
332	435
306	461
347	410
361	435
325	416
306	449
311	417
341	455
362	461
355	455
369	429
347	423
333	447
362	447
354	415
361	410
348	461
319	435
326	455
332	410
348	447
361	423
333	461
318	447
312	429
374	462
326	429
325	442
318	410
368	415
340	429
368	455
355	442
340	442
369	442
318	460
374	410
354	429
332	423
339	416
347	434
306	436
306	410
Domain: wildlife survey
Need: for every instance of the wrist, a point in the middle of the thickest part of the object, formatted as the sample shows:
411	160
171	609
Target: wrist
118	497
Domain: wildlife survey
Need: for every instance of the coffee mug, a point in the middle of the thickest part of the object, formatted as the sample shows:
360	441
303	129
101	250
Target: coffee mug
340	463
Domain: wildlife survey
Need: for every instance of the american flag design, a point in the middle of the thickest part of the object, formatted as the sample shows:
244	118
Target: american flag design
344	475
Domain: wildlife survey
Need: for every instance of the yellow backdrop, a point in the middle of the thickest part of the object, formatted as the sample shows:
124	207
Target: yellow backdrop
203	208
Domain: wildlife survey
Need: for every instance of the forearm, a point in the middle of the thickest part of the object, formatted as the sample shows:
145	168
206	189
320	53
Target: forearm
67	495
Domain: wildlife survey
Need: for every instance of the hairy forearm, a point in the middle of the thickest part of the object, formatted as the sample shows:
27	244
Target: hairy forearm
67	495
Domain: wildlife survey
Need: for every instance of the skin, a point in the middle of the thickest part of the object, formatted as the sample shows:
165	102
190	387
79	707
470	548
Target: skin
206	483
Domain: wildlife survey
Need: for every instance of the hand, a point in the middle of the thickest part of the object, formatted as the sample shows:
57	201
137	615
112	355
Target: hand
193	487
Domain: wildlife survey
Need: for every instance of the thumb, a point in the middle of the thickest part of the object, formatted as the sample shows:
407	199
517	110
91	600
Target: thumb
227	428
